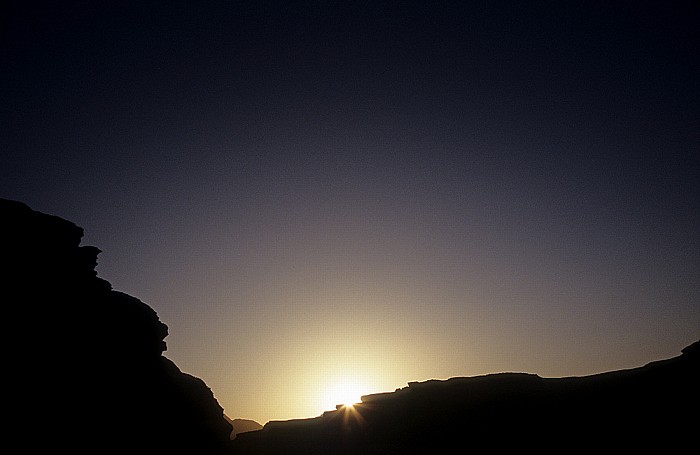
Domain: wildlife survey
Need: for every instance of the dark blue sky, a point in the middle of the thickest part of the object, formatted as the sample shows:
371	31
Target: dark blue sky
312	191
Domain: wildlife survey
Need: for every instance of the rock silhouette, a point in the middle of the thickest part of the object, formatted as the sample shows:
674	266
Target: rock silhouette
243	426
92	359
89	356
653	407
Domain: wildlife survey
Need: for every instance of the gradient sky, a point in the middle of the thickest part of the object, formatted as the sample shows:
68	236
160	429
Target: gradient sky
320	197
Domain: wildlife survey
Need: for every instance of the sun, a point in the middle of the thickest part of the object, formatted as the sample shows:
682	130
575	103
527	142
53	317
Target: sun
343	392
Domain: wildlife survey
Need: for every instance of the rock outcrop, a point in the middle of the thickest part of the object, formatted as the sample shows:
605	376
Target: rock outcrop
650	408
88	356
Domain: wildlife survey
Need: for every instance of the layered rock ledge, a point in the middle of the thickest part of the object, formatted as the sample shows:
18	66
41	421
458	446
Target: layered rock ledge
86	370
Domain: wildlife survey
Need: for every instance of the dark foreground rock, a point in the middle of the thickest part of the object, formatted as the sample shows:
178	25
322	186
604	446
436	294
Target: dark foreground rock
84	370
650	408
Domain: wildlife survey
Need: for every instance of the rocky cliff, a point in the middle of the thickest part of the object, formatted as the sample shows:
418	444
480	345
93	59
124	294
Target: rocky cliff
650	408
87	356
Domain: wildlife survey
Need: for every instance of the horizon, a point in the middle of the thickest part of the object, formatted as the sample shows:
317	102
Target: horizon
319	198
346	390
357	400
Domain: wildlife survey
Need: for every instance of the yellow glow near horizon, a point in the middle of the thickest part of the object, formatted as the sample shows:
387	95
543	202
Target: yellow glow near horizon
337	356
343	391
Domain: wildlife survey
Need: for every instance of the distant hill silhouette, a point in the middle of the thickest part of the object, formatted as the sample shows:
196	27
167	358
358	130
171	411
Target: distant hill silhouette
242	426
653	407
88	356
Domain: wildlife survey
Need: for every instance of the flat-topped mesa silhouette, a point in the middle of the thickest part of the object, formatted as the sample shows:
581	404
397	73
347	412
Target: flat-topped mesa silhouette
89	356
645	408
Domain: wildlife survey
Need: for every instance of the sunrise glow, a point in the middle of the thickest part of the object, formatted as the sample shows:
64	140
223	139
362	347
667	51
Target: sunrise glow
344	391
327	200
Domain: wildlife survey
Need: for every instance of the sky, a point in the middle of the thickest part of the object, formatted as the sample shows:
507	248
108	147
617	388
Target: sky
327	199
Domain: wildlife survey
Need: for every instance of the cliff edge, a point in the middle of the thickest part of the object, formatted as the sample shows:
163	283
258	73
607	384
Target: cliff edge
88	357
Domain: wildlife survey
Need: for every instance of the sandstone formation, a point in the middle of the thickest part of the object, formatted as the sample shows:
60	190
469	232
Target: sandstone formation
87	356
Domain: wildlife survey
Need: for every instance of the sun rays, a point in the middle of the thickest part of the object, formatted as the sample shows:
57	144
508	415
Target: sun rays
344	392
350	415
